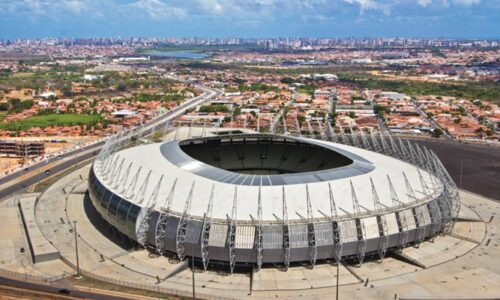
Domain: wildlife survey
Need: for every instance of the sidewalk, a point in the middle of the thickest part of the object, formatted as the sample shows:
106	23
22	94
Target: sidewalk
446	258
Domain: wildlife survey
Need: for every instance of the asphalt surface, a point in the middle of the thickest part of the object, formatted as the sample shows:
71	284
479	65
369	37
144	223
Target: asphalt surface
474	167
23	184
9	177
55	290
76	156
70	159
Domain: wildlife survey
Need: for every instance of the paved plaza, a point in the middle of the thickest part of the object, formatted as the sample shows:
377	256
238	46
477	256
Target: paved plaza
460	265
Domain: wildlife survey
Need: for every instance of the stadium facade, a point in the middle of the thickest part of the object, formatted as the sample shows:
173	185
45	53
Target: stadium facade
257	199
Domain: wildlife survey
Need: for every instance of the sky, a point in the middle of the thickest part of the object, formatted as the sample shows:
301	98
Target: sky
246	18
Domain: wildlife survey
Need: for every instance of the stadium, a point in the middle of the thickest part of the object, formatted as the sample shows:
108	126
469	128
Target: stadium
251	199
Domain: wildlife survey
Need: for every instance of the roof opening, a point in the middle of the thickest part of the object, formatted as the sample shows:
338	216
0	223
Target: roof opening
263	154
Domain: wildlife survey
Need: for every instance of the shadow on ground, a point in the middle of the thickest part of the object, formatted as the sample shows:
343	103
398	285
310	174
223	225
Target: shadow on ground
104	228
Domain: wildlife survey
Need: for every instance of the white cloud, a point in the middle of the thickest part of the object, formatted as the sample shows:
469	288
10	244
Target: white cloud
366	5
156	9
214	6
466	2
51	8
235	10
424	3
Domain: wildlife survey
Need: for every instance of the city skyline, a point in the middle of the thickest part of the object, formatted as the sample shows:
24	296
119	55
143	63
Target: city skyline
262	18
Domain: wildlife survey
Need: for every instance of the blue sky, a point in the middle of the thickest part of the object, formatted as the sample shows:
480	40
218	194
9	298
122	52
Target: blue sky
246	18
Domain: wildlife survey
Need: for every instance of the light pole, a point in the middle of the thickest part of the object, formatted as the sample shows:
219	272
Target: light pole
76	249
337	289
461	168
192	270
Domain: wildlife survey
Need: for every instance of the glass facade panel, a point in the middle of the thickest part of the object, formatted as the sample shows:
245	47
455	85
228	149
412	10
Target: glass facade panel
131	219
106	196
122	212
113	204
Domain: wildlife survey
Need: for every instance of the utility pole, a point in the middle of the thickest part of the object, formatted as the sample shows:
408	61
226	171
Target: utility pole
192	271
76	249
461	173
337	289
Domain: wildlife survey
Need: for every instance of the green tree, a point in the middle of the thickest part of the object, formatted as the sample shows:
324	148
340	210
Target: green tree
287	80
437	133
236	111
121	86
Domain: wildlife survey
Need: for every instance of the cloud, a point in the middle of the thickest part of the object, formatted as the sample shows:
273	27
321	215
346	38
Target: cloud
466	2
57	9
366	5
463	3
156	9
51	8
424	3
214	6
227	9
235	12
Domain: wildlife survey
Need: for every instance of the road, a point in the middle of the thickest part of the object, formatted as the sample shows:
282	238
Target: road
35	287
18	181
433	123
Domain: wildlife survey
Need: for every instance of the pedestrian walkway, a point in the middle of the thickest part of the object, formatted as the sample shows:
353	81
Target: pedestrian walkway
458	260
41	250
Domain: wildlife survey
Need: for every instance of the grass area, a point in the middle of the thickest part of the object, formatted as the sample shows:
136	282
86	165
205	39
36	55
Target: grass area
2	115
52	120
60	76
358	75
23	74
484	90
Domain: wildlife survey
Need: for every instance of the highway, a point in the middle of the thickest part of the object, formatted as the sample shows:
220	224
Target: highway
20	180
13	183
63	293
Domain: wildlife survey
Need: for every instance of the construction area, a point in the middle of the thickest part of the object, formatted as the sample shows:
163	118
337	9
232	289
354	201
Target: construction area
22	149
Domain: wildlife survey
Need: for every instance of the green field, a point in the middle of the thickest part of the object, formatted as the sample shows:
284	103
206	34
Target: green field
484	90
51	120
358	76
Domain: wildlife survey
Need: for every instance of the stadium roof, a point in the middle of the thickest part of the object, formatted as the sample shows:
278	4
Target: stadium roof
171	162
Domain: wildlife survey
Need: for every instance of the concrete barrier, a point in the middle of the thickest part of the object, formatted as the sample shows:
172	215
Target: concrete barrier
41	250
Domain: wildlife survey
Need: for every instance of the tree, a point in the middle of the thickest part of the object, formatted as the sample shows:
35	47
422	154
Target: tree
121	86
437	133
379	109
240	81
236	111
287	80
213	108
66	90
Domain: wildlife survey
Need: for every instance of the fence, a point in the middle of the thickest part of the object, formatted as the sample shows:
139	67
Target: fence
145	287
30	277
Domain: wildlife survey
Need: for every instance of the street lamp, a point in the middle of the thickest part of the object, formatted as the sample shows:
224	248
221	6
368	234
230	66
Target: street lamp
76	249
